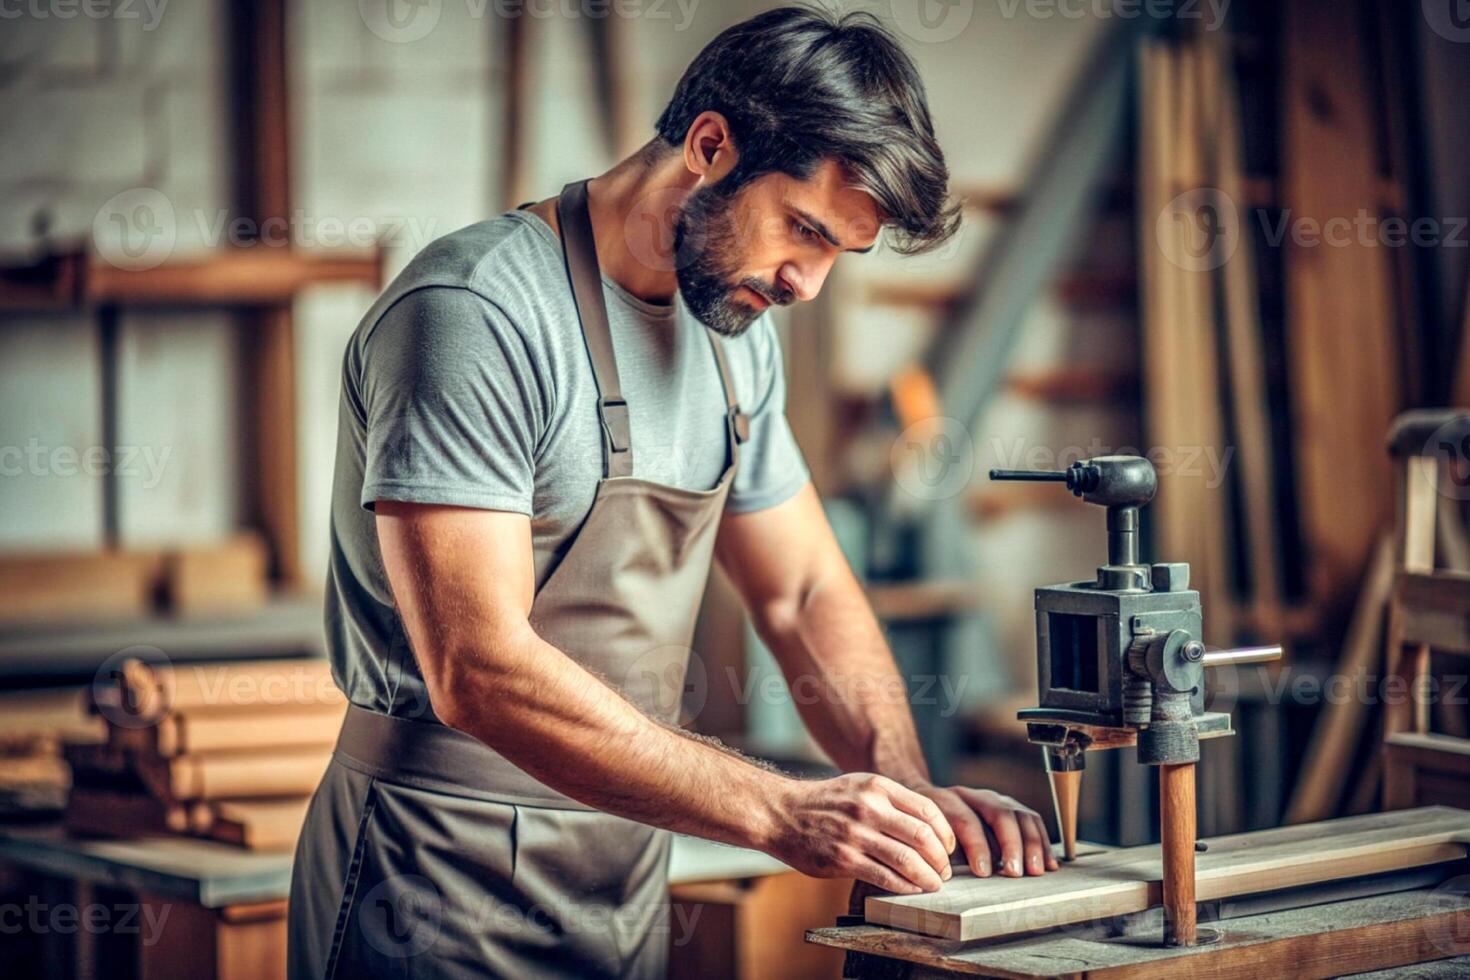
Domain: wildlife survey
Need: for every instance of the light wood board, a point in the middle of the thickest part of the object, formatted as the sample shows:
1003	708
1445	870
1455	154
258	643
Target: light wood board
1377	932
1129	880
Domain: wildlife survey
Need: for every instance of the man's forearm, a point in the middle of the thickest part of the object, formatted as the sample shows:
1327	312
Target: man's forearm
844	680
563	725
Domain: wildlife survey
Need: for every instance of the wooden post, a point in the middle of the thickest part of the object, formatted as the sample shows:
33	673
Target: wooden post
1177	831
263	178
1066	790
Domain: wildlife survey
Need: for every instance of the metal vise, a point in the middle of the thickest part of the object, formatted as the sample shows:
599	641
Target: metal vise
1120	659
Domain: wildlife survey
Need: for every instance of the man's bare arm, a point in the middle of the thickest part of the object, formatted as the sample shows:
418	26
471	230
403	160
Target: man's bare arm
463	580
810	610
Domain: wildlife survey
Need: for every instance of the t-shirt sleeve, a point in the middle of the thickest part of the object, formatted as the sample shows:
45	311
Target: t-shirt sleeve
452	403
772	468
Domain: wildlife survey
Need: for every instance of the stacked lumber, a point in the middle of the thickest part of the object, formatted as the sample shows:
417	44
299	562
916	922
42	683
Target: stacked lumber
225	576
231	752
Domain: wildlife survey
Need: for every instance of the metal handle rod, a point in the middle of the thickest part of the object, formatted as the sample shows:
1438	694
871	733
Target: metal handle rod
1060	476
1242	655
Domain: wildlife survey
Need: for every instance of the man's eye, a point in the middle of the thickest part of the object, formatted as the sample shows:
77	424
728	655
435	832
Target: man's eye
804	233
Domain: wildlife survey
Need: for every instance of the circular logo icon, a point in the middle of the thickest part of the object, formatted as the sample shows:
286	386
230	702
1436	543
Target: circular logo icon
932	21
669	682
648	230
400	21
1222	688
1451	443
135	230
132	688
933	458
1450	19
400	916
1450	933
1199	230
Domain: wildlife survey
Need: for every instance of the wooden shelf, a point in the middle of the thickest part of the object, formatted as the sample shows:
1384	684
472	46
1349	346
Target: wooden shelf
288	624
243	276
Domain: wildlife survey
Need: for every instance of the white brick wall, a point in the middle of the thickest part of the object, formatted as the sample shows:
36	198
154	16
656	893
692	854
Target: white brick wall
408	133
89	108
50	413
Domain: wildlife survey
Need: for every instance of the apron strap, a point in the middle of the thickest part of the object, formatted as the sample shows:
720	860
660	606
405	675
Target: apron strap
579	249
737	423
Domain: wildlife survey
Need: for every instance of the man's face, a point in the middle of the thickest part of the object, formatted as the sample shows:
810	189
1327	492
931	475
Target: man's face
772	241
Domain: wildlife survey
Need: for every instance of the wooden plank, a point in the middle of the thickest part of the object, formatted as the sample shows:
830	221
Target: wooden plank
1130	880
1437	768
1434	610
1248	402
259	275
263	824
1334	291
92	585
1338	730
214	728
1332	939
1181	384
276	771
154	690
228	576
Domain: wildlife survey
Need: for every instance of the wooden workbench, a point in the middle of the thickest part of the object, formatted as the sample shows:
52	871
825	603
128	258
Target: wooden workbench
1341	897
196	909
1325	940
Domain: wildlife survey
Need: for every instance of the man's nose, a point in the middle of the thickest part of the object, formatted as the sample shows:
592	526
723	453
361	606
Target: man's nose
805	280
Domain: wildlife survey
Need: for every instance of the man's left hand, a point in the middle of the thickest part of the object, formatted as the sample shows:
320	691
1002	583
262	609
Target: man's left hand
1019	833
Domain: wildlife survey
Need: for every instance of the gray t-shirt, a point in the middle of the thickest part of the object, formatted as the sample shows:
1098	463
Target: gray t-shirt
468	383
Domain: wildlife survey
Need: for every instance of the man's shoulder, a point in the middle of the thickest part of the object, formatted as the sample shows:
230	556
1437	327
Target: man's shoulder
503	271
496	258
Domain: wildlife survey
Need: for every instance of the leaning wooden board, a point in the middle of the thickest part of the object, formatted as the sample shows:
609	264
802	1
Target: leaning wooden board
1118	882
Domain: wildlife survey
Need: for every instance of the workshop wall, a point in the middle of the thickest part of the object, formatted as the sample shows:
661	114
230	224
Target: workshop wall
90	108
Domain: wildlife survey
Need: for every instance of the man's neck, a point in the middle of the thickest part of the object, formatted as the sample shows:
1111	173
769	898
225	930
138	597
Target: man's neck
632	207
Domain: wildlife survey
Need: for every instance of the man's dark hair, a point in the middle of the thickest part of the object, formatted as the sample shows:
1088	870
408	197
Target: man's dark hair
799	85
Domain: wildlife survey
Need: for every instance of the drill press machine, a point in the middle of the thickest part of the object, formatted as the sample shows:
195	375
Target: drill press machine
1120	661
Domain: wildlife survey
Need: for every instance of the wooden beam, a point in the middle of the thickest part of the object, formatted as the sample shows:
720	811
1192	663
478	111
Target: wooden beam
1377	932
1339	727
1129	880
262	149
1434	610
244	276
1335	292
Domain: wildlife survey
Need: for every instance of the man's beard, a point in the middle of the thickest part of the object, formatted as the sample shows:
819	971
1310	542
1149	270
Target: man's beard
705	255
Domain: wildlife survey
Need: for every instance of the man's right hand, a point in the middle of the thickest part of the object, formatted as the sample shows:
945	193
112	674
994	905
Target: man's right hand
863	826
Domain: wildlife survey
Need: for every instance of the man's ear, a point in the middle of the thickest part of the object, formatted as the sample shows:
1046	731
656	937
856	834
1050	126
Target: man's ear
709	149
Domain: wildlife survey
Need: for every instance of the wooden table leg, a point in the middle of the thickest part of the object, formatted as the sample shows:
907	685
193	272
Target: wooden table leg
183	941
1177	830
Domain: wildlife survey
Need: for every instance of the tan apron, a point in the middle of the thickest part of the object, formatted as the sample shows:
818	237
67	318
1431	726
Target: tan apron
426	853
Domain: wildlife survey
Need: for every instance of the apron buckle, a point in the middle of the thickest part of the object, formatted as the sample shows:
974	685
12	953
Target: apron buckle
740	425
614	412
